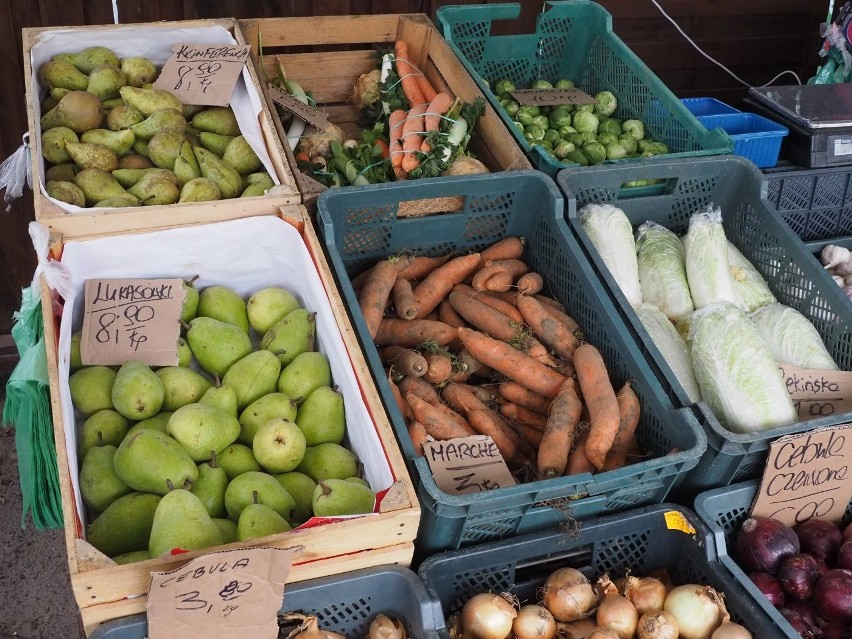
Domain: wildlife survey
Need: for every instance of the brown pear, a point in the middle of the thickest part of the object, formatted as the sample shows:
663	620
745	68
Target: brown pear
80	111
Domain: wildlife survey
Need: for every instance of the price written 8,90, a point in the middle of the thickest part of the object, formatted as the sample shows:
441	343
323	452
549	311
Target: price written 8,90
135	317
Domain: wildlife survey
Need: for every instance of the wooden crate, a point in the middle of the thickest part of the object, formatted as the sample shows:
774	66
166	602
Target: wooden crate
89	221
343	47
104	590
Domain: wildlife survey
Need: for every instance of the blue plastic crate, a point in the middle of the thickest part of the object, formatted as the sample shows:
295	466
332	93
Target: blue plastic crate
707	106
755	137
435	217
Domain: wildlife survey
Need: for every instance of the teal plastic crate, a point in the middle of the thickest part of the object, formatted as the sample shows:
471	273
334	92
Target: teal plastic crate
362	226
815	203
737	186
724	510
639	541
345	603
574	40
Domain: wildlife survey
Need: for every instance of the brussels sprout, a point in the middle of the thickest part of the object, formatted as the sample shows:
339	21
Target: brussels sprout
511	107
524	117
588	136
595	152
503	87
533	133
565	130
634	127
575	137
615	151
560	116
654	148
609	125
606	103
545	110
563	150
628	142
585	122
541	84
607	138
519	125
578	157
587	108
532	109
552	136
563	84
542	121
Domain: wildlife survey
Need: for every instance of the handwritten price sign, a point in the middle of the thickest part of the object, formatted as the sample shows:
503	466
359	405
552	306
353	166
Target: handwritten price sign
131	320
203	74
467	465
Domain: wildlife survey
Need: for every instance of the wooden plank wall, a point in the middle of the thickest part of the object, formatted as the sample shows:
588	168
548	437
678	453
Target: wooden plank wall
755	38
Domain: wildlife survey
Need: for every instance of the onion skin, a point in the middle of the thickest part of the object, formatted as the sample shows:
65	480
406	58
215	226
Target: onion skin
487	616
576	629
844	555
798	575
658	624
798	622
769	586
534	622
618	613
804	608
819	537
646	594
833	595
762	543
731	630
568	595
602	632
688	620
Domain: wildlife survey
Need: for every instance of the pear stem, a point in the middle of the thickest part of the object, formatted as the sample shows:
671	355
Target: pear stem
214	463
254	496
170	484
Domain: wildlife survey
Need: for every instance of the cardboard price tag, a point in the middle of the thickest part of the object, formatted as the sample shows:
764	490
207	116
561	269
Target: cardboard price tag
551	97
127	320
467	465
220	595
203	74
807	475
818	393
306	112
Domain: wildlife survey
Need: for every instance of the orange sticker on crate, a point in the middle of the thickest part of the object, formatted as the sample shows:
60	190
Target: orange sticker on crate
676	521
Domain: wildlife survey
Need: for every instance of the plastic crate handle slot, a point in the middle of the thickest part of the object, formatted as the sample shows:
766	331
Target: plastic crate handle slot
538	569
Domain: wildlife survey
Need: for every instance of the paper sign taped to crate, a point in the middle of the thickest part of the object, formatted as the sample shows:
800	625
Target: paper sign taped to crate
220	595
131	319
203	73
817	393
309	114
807	475
467	465
551	97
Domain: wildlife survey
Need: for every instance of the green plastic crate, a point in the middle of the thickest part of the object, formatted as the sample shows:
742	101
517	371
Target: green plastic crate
362	226
724	510
345	603
795	278
639	541
574	40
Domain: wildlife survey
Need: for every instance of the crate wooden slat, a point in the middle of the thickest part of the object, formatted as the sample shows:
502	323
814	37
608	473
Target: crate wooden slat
94	221
342	48
104	590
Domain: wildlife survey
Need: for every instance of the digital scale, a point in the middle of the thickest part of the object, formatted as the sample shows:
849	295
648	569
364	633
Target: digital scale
819	118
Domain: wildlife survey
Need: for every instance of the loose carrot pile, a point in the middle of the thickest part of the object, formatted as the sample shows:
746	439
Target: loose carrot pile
471	346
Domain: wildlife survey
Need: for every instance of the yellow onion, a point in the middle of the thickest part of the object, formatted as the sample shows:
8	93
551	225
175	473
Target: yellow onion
657	624
487	616
383	627
576	629
646	594
615	611
568	595
534	622
731	630
699	610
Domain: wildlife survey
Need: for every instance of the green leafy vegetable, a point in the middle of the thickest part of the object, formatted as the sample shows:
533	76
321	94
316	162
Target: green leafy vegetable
791	337
662	270
611	233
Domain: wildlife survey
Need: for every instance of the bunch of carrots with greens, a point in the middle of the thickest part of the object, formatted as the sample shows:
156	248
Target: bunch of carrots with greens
471	346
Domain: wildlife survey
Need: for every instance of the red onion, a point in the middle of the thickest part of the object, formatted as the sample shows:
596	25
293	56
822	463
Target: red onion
833	595
805	609
799	624
823	567
769	586
847	532
844	555
819	537
763	543
836	630
798	574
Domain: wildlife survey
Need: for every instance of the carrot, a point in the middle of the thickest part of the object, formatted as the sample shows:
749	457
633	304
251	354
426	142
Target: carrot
420	387
407	75
628	414
396	121
440	282
376	291
403	406
439	367
404	360
578	463
559	433
481	392
512	363
397	332
422	265
384	149
549	301
403	299
358	281
484	318
467	365
513	268
439	420
412	137
490	299
449	315
438	106
433	317
599	397
509	248
567	321
500	281
301	156
532	435
547	329
418	434
524	397
517	413
529	283
426	87
538	351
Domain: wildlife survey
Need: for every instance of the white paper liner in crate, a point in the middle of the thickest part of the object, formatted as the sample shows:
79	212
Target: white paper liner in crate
155	43
245	255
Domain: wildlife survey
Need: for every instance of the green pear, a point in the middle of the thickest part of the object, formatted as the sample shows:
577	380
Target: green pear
203	429
98	185
228	529
148	101
190	302
181	386
226	178
132	557
137	392
184	353
67	192
279	445
155	189
64	172
307	372
241	157
237	459
219	120
255	487
217	344
335	497
134	161
102	428
105	80
75	360
291	335
210	487
181	521
214	142
48	104
129	177
53	143
150	461
262	410
119	142
328	461
268	305
125	525
140	147
159	121
124	117
57	93
225	305
138	70
77	110
157	422
186	166
259	520
321	417
111	103
222	397
119	201
99	485
257	184
358	480
253	376
92	156
164	147
90	57
63	74
301	489
91	389
189	110
199	190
